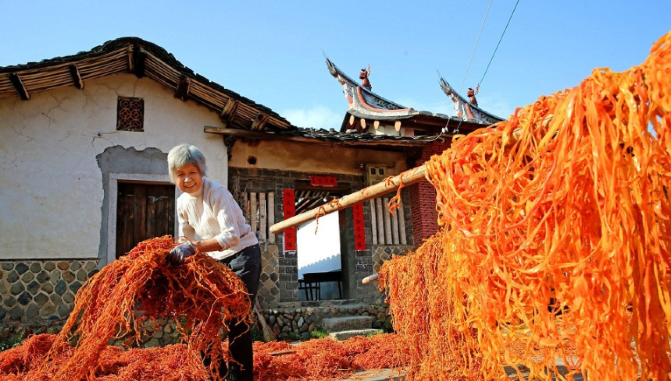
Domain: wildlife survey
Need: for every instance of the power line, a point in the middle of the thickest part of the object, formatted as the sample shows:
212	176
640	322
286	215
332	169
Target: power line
476	45
499	43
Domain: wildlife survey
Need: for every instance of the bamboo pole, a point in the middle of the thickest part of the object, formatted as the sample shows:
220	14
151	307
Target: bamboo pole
408	177
271	214
387	222
380	226
373	220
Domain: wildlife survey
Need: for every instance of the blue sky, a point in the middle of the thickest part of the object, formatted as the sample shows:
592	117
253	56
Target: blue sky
272	51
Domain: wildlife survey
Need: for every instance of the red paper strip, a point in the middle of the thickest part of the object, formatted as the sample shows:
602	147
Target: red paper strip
323	181
359	230
289	211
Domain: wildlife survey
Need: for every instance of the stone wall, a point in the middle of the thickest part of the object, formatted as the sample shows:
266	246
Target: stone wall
287	323
34	290
301	321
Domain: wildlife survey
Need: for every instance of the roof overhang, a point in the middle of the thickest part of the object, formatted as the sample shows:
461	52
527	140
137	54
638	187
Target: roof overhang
144	59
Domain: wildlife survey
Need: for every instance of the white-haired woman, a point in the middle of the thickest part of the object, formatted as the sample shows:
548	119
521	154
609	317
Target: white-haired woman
208	209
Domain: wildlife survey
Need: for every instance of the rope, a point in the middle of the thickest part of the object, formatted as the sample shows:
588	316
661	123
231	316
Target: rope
499	43
476	45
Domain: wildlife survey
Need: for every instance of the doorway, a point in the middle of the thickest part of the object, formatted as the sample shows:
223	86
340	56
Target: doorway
319	254
143	211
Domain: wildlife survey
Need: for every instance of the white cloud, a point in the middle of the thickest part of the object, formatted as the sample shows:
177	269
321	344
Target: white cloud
317	116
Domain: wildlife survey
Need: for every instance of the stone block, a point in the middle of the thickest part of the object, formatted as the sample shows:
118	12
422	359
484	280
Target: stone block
21	268
63	310
13	276
32	312
63	265
7	266
76	265
33	287
27	277
68	276
55	299
47	310
75	286
82	275
24	298
17	288
10	301
42	276
68	297
48	288
16	313
49	266
41	299
61	287
347	323
35	267
344	335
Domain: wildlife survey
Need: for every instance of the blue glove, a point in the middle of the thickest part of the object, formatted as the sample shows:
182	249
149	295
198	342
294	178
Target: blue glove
177	255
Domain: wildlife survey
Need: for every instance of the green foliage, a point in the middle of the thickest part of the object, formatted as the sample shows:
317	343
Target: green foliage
319	333
10	343
257	335
387	327
294	336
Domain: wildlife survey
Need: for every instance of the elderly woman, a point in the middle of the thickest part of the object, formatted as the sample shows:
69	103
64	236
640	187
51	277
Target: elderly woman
208	209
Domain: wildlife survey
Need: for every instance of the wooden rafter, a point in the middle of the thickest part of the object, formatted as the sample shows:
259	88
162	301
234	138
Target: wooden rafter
259	122
139	59
76	77
183	87
228	112
18	85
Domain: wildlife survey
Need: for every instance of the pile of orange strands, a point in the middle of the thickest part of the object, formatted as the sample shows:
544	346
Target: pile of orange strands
322	359
201	296
555	234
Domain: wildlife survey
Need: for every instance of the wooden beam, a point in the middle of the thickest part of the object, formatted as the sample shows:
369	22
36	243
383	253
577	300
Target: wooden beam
76	77
183	87
18	85
139	58
408	177
259	122
299	139
228	112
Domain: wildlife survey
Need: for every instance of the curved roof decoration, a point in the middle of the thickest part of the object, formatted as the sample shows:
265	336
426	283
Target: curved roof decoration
368	105
142	58
465	109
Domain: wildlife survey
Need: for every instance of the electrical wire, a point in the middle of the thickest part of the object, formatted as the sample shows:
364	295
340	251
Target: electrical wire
499	43
476	45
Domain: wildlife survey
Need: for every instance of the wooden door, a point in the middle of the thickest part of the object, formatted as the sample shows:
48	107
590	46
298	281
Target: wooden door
143	211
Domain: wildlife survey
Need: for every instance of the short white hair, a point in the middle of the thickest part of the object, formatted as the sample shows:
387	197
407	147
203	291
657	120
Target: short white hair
184	154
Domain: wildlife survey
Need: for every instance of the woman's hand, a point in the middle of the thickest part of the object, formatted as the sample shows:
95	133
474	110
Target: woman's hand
179	253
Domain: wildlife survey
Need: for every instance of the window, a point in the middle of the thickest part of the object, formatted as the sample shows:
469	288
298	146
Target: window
130	114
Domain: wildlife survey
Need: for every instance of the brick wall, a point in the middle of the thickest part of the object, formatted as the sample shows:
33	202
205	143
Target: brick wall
423	198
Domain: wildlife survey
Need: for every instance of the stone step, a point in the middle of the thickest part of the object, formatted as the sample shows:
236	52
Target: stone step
347	323
326	303
344	335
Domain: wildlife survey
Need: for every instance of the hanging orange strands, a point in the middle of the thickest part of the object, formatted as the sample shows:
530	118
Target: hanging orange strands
201	296
555	239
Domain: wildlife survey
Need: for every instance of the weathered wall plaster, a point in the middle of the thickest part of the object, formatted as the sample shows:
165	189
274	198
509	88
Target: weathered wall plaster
312	158
51	192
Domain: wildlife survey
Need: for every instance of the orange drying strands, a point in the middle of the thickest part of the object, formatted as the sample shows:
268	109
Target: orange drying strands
201	296
555	239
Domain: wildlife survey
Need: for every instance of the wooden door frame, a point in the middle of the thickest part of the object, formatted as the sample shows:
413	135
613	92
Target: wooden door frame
113	189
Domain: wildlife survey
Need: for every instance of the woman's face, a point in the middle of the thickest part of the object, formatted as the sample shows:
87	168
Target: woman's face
188	178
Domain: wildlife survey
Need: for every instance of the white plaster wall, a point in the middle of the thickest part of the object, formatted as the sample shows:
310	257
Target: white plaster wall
51	189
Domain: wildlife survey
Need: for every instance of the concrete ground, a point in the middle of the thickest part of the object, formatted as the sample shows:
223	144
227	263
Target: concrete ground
398	374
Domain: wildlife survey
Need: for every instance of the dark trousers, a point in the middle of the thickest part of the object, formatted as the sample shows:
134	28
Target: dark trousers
247	265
